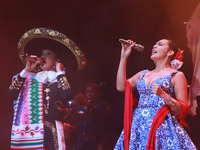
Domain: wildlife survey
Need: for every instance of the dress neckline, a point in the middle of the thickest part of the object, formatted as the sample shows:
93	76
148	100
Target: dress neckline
154	78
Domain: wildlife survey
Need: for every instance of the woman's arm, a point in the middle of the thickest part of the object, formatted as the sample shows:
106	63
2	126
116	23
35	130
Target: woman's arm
121	73
180	87
15	87
64	87
19	80
63	84
134	79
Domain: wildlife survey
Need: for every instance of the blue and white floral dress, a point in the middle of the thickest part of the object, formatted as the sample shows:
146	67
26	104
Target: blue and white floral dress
170	135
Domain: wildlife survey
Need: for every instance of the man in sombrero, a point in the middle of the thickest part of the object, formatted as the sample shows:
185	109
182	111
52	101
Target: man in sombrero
41	88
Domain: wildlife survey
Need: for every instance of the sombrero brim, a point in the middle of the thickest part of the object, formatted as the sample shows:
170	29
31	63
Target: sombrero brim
37	38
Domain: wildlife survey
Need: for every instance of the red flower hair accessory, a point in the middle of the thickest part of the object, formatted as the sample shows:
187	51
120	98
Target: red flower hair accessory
176	62
179	55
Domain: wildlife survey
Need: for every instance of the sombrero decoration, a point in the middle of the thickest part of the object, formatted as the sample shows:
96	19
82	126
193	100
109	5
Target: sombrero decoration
38	39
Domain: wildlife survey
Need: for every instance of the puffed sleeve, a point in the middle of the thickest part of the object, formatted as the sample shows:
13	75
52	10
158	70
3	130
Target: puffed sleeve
64	87
15	87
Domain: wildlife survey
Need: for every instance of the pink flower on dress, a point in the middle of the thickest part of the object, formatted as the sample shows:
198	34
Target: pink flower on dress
32	134
22	134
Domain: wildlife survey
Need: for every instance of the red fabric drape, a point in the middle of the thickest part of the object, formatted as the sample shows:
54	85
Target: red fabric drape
193	34
158	119
184	110
128	113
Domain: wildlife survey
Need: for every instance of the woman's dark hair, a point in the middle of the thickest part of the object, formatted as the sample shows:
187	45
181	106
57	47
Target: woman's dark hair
172	46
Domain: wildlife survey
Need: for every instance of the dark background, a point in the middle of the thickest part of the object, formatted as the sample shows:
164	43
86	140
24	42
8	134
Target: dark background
91	24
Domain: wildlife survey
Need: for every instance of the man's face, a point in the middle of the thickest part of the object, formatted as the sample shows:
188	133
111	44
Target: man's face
92	94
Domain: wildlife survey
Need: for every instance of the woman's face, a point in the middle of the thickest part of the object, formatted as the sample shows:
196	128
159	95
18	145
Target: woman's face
160	50
49	60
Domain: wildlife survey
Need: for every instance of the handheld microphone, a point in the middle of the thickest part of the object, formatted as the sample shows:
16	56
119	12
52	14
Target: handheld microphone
33	59
137	47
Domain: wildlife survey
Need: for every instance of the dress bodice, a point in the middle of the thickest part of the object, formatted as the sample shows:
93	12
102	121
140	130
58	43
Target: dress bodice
146	94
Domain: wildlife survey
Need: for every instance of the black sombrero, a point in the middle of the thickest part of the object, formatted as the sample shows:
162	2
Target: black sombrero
38	39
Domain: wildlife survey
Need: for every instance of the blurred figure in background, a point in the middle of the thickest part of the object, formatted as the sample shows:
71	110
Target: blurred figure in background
88	114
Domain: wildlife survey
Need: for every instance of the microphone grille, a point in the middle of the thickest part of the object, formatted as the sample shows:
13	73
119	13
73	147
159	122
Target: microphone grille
139	47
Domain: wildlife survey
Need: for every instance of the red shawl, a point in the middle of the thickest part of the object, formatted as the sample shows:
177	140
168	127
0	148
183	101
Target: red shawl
158	119
128	113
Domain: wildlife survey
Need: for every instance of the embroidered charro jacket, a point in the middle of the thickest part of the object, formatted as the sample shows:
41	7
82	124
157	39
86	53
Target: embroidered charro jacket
38	104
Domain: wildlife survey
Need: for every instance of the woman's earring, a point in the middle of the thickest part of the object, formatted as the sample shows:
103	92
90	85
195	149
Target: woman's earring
38	69
154	62
54	67
168	59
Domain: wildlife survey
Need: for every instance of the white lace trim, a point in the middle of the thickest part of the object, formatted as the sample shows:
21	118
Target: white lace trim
45	76
176	64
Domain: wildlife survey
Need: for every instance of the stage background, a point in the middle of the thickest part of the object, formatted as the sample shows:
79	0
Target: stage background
91	24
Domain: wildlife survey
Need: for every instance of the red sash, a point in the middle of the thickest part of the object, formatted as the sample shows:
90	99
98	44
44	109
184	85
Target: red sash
158	119
130	101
